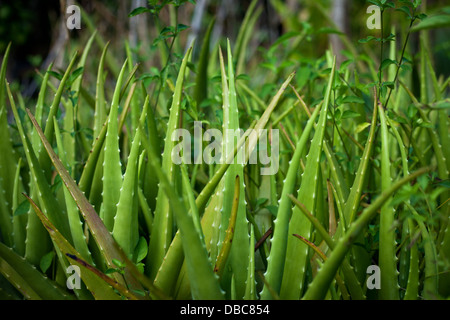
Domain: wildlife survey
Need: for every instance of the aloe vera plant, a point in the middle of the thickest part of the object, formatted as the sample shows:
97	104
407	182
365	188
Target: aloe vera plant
89	180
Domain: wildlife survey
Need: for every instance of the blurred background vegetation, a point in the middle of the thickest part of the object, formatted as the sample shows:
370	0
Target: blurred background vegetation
39	36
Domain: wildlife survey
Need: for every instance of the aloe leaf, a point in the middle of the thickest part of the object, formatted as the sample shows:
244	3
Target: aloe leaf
350	209
37	241
149	188
42	287
442	121
387	257
430	283
19	283
238	252
9	158
444	249
276	259
90	182
250	284
443	173
6	220
172	268
126	228
174	254
109	248
408	261
128	80
351	280
204	283
49	203
94	163
297	253
201	87
191	199
250	144
226	245
166	278
49	132
352	202
100	104
94	283
318	288
71	110
412	287
209	215
337	175
112	181
162	223
39	111
76	225
245	31
19	222
441	144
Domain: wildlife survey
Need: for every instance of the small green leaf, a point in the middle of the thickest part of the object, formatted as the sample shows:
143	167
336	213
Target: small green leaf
345	63
386	63
425	124
23	208
375	2
367	39
137	11
329	30
75	74
272	209
140	266
285	37
360	127
388	4
141	249
46	260
390	37
421	16
352	99
181	27
347	114
243	77
261	201
118	263
110	271
389	84
406	67
56	75
405	10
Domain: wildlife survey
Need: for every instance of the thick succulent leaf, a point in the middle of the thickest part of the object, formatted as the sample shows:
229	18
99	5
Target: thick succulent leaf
96	285
9	158
163	220
34	284
297	252
204	283
112	182
109	248
318	288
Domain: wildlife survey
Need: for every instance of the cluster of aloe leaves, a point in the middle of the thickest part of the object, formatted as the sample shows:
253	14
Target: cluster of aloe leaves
87	180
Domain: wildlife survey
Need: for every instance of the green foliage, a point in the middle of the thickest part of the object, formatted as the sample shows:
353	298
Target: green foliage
88	179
